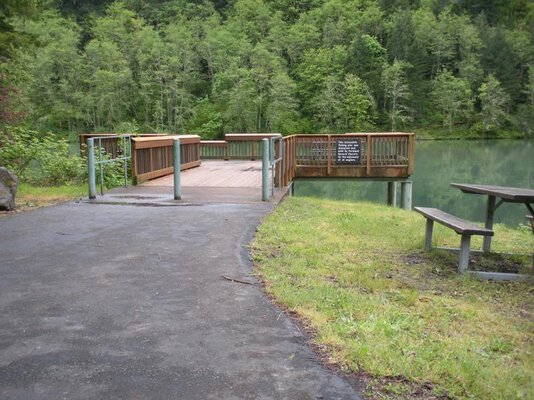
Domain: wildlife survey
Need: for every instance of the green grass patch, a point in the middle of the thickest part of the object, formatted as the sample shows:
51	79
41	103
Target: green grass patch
356	275
29	196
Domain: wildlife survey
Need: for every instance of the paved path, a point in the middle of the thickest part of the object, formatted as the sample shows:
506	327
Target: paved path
123	302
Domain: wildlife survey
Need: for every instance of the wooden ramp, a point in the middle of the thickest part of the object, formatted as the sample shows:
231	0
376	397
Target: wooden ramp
214	181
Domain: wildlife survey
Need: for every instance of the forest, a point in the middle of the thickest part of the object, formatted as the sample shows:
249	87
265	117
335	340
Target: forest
212	67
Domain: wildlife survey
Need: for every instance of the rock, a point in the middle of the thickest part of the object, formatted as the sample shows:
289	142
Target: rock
8	189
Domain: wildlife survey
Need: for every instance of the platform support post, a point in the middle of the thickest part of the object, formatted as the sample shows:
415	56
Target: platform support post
176	169
265	170
91	178
406	195
392	194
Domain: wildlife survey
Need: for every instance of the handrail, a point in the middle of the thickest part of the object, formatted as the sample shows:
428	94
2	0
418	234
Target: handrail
120	154
236	146
383	155
110	141
152	157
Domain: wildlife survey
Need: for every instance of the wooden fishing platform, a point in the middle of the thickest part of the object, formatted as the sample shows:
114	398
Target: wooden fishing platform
233	163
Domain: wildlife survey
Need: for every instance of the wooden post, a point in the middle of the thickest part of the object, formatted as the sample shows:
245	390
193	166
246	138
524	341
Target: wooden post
328	156
134	162
369	152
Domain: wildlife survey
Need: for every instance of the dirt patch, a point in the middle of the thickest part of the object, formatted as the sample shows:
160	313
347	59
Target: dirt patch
496	263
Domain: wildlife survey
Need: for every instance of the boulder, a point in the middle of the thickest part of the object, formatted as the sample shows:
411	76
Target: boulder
8	189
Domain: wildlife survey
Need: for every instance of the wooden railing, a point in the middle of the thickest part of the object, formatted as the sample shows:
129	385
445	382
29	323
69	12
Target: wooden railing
382	155
152	156
288	166
236	146
374	155
214	149
111	145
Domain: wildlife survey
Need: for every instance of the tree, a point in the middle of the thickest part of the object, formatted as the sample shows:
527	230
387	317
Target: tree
282	111
452	98
10	37
329	111
396	93
109	82
494	103
359	104
54	87
368	57
235	95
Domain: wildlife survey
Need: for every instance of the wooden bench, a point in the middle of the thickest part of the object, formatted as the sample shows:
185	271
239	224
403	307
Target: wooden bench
458	225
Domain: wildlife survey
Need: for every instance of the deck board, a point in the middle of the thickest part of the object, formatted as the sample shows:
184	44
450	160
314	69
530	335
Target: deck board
217	173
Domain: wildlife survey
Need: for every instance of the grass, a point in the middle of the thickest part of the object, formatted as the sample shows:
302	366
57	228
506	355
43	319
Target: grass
29	196
379	307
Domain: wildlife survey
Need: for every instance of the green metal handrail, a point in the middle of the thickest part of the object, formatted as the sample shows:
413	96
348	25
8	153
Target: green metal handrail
91	163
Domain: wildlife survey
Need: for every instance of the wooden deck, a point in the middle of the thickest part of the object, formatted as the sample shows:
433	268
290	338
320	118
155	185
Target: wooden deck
217	174
213	182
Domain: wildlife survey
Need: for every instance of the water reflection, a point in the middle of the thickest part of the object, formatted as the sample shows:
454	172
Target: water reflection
438	163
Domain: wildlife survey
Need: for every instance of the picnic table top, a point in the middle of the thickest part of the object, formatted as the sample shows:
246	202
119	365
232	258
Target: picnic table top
507	193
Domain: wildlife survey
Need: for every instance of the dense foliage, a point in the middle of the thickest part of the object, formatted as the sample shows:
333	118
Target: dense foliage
211	67
41	159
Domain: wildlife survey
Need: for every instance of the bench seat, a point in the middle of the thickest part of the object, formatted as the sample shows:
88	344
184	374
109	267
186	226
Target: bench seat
458	225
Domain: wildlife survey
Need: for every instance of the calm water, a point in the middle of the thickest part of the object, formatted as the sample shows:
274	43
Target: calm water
438	163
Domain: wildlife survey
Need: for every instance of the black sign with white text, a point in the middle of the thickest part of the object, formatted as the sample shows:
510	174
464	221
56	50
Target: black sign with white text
348	151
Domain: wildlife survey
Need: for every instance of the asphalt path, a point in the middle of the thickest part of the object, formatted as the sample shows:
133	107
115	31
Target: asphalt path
125	302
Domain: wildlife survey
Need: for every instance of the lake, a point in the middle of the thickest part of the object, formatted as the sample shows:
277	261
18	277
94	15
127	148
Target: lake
437	164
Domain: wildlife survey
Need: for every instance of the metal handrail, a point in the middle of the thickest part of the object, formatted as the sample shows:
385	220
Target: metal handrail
273	161
91	163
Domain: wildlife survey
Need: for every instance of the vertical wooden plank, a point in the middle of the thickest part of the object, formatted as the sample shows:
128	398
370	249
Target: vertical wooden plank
133	165
328	156
369	150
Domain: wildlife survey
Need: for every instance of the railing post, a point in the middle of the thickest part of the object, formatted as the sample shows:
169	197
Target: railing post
280	163
265	170
406	195
91	178
176	169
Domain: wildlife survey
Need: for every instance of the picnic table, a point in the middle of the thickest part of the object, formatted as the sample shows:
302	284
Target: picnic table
505	194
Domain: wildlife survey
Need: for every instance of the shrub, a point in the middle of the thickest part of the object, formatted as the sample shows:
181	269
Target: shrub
39	159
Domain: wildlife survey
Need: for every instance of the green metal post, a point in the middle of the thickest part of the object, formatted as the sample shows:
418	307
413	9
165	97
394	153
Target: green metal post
406	195
265	170
91	178
176	173
392	194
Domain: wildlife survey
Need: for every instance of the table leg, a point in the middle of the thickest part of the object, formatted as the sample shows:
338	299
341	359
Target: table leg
490	209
